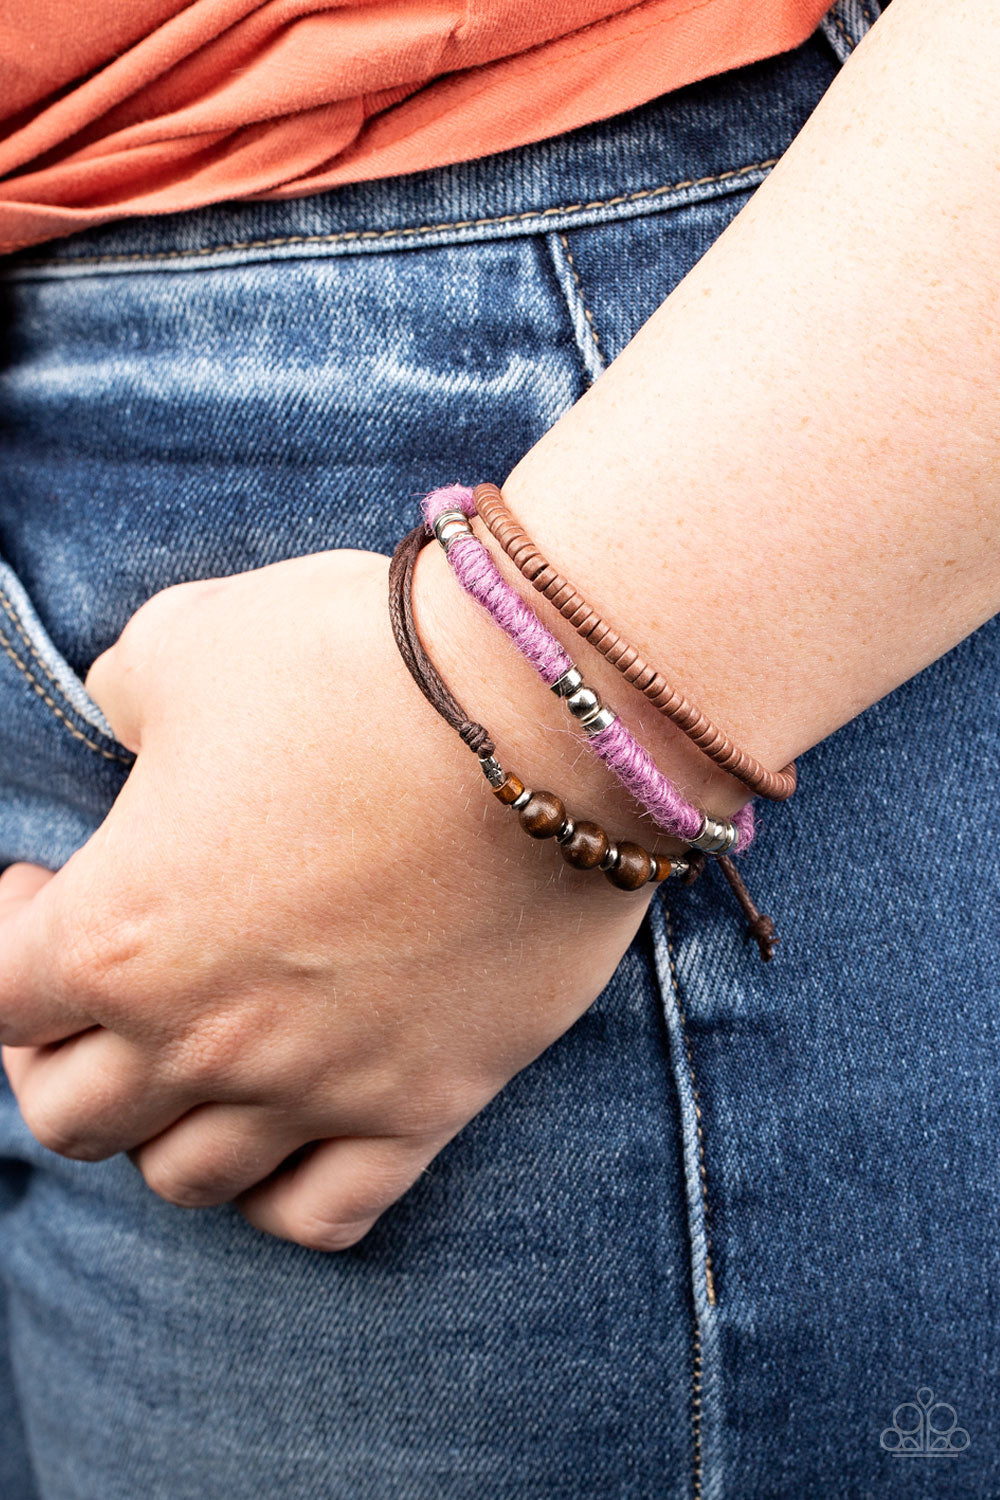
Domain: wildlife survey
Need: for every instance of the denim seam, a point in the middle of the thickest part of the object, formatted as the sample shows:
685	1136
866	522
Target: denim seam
581	319
592	326
702	1170
707	1432
848	38
410	231
11	650
698	1462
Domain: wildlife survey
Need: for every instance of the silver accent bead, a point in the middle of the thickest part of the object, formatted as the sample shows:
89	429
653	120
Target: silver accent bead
453	513
601	718
679	867
566	832
715	836
582	701
492	770
450	525
610	859
567	683
522	800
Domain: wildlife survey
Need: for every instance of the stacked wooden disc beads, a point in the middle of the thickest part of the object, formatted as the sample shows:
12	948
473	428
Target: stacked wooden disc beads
585	846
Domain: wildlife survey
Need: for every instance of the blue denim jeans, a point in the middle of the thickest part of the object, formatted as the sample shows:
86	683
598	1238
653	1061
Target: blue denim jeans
734	1235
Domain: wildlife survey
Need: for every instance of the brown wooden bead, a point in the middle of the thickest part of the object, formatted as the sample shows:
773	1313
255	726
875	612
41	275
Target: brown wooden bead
661	867
587	846
542	815
632	868
508	791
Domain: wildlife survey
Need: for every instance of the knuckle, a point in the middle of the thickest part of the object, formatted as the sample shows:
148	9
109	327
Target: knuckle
315	1232
209	1056
418	1102
147	620
339	1225
448	1109
184	1187
96	956
142	637
58	1132
430	1109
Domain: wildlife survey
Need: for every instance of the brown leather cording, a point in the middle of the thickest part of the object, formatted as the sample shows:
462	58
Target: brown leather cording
421	668
759	926
492	508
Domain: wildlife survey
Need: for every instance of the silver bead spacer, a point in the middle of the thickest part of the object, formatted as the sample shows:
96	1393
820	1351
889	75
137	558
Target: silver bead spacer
567	683
521	801
450	525
678	867
715	836
610	859
582	701
492	770
566	832
601	718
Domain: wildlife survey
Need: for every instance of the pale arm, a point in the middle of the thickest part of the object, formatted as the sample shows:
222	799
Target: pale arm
786	490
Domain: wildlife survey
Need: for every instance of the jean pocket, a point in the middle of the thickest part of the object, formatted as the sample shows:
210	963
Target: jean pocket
61	766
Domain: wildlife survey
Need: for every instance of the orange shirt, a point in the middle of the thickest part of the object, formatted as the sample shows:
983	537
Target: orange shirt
120	107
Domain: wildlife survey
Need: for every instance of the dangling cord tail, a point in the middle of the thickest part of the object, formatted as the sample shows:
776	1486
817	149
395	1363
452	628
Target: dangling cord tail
759	925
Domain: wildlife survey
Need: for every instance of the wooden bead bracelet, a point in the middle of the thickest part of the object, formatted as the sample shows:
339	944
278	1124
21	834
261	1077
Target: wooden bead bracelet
542	815
583	845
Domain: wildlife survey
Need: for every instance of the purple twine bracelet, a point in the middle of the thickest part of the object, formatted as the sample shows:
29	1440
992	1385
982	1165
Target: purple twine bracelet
447	513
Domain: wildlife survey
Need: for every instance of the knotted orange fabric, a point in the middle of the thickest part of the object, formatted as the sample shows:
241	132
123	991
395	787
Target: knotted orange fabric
112	109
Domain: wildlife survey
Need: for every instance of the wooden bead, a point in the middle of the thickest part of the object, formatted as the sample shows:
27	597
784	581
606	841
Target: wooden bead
661	867
542	815
632	868
508	791
587	846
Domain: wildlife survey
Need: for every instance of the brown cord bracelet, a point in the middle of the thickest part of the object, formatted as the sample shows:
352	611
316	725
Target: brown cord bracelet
492	508
542	815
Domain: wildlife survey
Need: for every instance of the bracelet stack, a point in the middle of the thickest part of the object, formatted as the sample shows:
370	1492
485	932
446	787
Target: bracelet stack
448	514
542	815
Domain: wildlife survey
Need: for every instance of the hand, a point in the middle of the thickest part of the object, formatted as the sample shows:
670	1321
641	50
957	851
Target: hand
305	920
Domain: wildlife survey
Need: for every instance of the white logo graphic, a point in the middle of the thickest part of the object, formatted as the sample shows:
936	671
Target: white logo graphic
924	1428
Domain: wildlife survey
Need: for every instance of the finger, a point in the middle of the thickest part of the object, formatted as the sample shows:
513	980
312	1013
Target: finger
34	1008
113	683
216	1152
92	1096
330	1200
127	681
21	881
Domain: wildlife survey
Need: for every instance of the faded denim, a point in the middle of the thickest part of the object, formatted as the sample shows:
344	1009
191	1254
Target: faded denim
738	1215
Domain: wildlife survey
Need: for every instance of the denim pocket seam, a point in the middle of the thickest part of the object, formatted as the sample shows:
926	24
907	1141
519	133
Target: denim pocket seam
584	327
838	22
354	236
702	1169
11	650
704	1336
